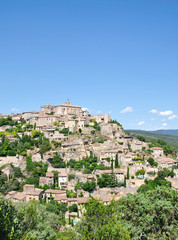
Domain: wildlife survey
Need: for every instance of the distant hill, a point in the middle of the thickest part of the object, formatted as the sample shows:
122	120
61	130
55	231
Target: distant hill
170	139
172	132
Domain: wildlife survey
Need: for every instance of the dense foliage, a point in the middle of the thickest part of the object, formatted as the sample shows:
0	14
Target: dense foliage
36	170
7	121
149	215
158	181
107	180
101	222
90	163
57	162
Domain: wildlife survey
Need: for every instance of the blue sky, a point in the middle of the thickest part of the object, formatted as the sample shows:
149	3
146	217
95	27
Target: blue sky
118	57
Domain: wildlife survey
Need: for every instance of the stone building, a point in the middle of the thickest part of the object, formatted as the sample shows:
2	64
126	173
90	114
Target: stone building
68	109
157	152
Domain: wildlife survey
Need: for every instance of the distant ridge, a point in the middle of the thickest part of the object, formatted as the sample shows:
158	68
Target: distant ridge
169	136
172	132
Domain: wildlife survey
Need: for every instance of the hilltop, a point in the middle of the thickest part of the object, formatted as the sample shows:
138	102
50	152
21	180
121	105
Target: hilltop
62	156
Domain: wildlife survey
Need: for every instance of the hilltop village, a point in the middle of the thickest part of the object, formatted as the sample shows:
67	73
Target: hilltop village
65	154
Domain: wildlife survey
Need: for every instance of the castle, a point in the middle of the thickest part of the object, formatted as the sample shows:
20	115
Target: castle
63	115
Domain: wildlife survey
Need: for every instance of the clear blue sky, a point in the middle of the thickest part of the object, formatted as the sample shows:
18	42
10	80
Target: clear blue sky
104	55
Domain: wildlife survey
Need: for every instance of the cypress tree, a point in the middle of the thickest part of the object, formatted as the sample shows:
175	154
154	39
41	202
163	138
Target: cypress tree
128	173
116	161
125	181
112	164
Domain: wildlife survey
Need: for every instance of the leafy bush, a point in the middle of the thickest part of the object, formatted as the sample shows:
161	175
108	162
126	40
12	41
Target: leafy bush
73	208
107	180
89	186
71	176
57	162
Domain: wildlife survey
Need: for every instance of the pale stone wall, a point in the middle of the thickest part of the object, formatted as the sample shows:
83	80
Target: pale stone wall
18	161
111	130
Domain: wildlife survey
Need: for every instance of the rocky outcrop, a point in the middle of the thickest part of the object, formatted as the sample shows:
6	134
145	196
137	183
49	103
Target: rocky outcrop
111	130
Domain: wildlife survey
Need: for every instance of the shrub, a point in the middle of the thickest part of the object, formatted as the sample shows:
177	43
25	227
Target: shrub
71	176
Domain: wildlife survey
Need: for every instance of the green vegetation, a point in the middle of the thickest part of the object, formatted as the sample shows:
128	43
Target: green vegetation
56	144
169	139
36	170
19	146
71	176
73	208
8	185
44	146
87	186
101	222
158	181
117	161
128	175
100	139
148	215
64	130
57	162
93	132
152	162
140	172
7	121
71	194
107	180
89	164
116	122
96	125
56	124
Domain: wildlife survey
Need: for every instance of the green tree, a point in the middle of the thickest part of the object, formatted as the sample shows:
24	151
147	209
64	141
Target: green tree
57	162
101	222
112	167
116	161
44	146
128	173
125	181
73	208
150	215
10	225
56	124
89	186
107	180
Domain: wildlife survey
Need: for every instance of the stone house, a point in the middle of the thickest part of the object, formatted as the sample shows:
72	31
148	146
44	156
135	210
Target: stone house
85	177
49	178
135	182
28	187
166	162
62	180
157	152
56	194
35	194
119	173
47	120
72	201
47	109
29	115
61	198
101	118
19	196
42	181
111	153
68	109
